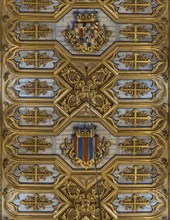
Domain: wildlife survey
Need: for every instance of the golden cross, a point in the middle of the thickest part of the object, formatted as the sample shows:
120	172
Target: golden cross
135	202
136	61
36	202
134	146
36	4
36	173
36	87
135	118
36	59
135	89
136	5
135	175
35	145
36	117
36	31
136	33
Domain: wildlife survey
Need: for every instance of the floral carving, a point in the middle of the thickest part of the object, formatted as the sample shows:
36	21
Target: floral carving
36	202
85	203
36	31
86	89
36	116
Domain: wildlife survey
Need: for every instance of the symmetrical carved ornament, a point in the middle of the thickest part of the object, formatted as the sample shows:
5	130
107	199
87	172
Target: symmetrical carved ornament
135	61
85	87
135	89
86	36
35	6
139	90
135	117
135	202
35	145
36	59
130	147
85	203
36	202
137	7
84	146
31	89
138	204
30	61
36	116
36	87
102	65
145	119
134	145
36	173
136	32
24	117
125	61
36	31
135	174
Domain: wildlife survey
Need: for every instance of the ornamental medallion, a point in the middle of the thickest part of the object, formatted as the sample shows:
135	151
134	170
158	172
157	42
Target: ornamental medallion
86	36
84	146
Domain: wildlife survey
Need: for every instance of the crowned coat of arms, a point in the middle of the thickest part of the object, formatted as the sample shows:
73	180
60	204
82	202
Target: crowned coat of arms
86	36
85	148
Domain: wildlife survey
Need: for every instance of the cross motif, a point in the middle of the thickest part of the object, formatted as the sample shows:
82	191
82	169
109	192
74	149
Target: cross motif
36	59
36	173
135	174
135	5
135	32
35	145
37	5
135	117
36	116
135	89
135	202
36	202
134	145
36	31
37	87
135	61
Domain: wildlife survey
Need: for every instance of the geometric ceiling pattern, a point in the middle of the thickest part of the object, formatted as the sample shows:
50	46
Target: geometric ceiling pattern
85	84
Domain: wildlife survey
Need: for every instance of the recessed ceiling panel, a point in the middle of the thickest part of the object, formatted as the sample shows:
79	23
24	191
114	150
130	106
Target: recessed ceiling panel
85	109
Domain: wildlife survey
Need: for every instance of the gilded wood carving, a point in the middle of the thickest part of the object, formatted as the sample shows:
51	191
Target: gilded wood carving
85	79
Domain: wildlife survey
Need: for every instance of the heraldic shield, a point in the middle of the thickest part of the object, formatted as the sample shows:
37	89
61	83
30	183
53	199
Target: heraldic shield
86	36
85	146
86	32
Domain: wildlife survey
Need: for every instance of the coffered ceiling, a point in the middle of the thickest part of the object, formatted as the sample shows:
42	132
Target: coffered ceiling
85	83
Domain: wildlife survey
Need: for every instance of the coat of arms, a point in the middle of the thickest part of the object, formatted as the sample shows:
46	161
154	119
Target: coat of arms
86	35
85	147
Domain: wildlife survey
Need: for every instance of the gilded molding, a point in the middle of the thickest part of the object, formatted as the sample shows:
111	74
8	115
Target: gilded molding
117	76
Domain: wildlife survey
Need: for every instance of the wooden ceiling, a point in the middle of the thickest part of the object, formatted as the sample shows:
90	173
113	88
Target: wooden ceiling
85	109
